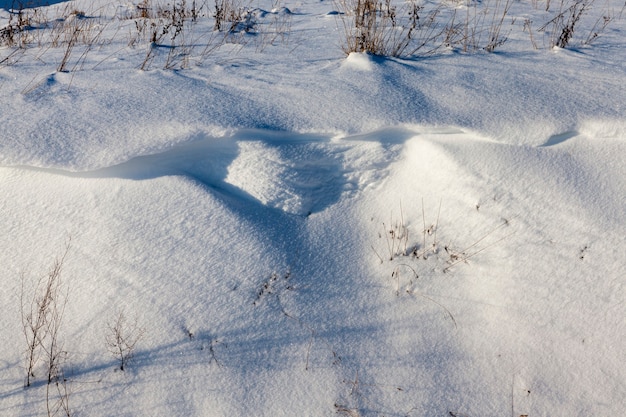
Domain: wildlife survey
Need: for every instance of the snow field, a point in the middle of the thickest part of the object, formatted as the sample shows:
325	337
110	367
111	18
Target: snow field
241	208
188	255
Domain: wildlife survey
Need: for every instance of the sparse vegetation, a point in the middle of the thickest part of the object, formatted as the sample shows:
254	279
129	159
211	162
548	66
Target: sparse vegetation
562	26
397	242
273	285
179	28
380	27
383	28
231	17
401	253
122	338
386	29
42	315
396	236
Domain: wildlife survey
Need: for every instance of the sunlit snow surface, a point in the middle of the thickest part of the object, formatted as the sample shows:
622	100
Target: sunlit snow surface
241	211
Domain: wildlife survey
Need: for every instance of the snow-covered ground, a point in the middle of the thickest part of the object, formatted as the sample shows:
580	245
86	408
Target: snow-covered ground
291	231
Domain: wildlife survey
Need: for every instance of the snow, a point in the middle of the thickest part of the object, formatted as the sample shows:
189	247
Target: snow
250	211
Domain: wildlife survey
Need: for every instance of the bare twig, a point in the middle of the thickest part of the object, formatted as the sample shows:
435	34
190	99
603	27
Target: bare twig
122	338
42	317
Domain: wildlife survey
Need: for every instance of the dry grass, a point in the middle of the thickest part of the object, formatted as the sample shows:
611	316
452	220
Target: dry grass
561	27
382	28
180	33
42	313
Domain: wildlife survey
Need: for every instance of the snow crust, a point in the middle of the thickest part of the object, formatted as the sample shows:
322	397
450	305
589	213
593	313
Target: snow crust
252	213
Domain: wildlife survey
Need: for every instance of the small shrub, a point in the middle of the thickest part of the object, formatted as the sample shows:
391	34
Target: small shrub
380	27
42	317
15	33
377	28
122	338
167	28
230	16
563	25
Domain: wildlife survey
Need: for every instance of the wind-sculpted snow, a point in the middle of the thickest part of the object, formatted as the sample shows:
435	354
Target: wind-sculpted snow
296	173
298	232
82	121
511	275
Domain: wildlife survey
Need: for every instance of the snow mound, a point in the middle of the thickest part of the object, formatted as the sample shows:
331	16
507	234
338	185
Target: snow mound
358	61
274	271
